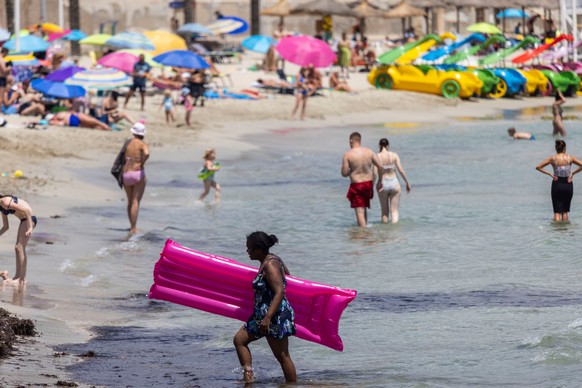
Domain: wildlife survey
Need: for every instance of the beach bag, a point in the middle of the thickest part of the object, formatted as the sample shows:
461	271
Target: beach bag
117	168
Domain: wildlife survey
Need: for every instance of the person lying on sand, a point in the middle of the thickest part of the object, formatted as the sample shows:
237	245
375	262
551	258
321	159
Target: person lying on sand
72	119
274	83
336	84
520	135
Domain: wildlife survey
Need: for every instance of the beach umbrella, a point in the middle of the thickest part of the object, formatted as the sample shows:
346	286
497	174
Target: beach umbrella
57	35
22	33
148	57
194	28
365	9
165	41
50	28
304	51
4	35
182	58
281	9
75	35
224	26
242	29
101	78
512	13
132	40
322	8
28	43
258	43
62	75
120	61
22	60
57	89
484	28
96	39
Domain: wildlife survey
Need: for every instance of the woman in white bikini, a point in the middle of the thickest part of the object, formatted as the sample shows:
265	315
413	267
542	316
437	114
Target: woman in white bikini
389	194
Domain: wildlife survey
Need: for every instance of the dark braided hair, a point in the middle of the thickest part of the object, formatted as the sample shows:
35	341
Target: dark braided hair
262	240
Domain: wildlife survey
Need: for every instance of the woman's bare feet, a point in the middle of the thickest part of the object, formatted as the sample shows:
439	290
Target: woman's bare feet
248	376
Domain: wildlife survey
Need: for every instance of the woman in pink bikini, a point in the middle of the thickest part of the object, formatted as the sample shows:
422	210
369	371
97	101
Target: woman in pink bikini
134	179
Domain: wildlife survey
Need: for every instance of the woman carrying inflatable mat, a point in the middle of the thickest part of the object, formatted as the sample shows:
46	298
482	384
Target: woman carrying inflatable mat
273	317
207	175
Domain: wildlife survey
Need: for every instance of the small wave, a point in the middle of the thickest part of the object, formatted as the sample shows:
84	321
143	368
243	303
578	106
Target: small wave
102	252
87	281
575	324
66	265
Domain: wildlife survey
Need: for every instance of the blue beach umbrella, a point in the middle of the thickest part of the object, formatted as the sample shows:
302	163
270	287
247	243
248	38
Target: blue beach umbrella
194	28
512	13
4	35
242	29
62	75
258	43
75	35
182	58
28	44
57	89
131	40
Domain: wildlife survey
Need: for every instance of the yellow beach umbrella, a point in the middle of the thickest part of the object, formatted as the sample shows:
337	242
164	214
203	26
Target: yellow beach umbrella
165	41
51	28
95	39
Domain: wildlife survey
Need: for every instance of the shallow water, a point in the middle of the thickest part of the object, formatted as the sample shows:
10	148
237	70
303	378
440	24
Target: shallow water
475	285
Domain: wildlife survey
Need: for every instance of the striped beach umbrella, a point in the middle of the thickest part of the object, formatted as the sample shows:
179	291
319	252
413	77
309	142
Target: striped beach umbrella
225	26
96	39
194	28
102	78
132	40
22	60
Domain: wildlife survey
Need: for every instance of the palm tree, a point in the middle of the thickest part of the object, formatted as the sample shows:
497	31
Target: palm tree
9	4
75	24
188	12
255	17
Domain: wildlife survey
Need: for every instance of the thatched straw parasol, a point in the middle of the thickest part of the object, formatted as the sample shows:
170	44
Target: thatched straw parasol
282	9
322	8
365	9
404	10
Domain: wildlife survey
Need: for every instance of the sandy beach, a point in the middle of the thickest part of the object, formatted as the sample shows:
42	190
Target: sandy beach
45	157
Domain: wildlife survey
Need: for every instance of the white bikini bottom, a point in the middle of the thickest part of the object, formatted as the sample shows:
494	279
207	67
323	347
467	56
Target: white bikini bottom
390	184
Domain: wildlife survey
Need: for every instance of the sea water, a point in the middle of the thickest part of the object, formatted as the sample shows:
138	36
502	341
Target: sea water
475	286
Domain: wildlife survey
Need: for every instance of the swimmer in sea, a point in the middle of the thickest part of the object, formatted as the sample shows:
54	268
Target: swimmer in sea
520	135
557	112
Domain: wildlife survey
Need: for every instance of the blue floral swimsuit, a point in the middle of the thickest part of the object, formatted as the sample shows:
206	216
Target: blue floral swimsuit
283	322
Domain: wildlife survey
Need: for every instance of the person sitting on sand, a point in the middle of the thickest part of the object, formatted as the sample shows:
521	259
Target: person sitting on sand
520	135
10	204
72	119
336	84
111	109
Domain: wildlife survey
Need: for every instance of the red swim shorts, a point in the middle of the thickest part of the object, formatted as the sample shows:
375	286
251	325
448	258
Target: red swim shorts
360	194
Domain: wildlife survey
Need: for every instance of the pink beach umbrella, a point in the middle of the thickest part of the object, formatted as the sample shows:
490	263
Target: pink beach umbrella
119	60
304	51
57	35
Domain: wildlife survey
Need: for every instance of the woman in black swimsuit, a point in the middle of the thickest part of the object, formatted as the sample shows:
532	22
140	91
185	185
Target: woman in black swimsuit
21	209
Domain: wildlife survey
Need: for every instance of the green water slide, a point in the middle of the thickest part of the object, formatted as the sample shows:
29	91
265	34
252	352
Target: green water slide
499	55
391	56
461	55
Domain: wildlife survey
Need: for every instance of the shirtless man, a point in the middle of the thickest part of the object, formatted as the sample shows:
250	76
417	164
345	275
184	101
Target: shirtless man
357	164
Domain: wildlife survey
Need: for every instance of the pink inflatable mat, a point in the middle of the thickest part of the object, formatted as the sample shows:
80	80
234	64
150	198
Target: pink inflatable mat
223	286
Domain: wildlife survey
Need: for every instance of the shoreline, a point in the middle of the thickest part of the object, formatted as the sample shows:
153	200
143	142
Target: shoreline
53	188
